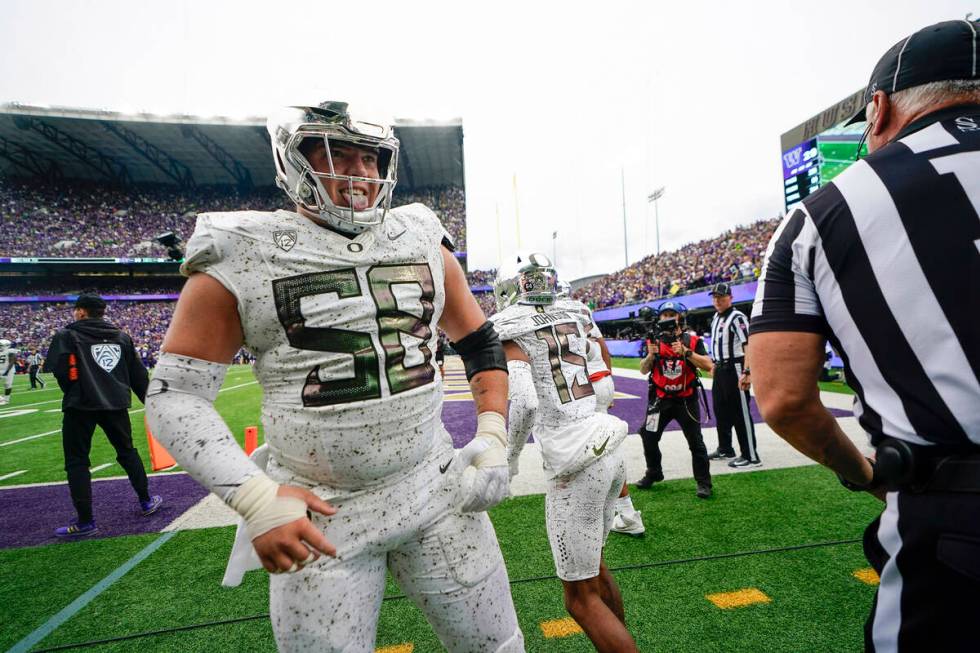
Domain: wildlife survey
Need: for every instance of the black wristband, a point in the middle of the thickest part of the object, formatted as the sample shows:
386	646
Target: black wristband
855	487
481	350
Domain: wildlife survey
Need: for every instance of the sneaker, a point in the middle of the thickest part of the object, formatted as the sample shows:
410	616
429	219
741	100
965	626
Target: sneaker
704	491
649	479
745	462
718	454
76	530
629	524
151	506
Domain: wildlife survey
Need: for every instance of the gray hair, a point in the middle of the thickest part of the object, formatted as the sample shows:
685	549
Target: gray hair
917	98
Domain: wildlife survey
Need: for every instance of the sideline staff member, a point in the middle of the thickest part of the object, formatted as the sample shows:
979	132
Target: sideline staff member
672	363
730	390
878	261
96	365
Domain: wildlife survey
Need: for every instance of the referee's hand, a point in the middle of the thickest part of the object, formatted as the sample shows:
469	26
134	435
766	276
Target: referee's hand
744	382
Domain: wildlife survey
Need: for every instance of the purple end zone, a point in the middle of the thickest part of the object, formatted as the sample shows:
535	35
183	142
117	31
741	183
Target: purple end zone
460	416
29	515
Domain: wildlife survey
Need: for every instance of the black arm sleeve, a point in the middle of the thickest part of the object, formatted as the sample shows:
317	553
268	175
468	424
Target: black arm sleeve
481	350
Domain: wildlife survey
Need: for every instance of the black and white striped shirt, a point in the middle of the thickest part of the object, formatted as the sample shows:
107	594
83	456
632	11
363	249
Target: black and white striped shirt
729	334
884	261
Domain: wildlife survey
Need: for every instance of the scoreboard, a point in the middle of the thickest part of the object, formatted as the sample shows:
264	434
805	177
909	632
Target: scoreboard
801	171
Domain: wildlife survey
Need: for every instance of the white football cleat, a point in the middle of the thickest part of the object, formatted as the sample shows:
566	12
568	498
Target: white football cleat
4	400
629	524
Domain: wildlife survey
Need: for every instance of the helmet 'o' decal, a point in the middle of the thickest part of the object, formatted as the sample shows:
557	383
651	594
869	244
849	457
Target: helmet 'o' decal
355	247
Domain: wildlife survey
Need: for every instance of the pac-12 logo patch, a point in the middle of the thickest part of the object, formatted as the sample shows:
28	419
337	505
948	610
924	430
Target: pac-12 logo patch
284	239
107	355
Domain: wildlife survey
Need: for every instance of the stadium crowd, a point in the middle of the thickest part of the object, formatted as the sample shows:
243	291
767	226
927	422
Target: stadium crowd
85	219
733	255
481	277
32	325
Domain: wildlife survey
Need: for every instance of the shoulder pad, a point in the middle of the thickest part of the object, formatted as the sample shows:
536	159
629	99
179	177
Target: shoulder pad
419	216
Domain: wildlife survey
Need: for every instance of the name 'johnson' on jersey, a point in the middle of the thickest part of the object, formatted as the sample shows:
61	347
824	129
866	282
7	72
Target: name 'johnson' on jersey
343	331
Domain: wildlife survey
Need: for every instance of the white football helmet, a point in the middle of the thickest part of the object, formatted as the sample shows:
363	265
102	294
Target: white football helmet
525	279
332	122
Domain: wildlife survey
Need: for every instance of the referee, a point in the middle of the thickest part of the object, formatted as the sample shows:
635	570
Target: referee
34	361
730	387
884	262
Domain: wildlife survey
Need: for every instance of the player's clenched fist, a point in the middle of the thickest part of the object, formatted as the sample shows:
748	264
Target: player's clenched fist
276	519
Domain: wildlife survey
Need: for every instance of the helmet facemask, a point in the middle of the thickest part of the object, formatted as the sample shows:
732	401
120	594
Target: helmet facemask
330	127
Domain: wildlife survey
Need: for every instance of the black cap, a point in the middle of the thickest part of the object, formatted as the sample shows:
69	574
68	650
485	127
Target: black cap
87	300
937	53
721	289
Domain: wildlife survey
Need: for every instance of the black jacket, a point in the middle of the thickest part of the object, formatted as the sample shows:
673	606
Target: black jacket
96	365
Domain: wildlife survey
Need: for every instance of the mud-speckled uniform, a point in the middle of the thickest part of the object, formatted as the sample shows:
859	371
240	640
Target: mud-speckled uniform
343	331
579	446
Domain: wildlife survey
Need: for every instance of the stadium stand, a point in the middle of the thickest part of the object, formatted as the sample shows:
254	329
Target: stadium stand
86	219
733	255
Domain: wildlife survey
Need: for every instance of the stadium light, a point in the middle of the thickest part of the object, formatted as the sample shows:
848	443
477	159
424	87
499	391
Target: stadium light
652	198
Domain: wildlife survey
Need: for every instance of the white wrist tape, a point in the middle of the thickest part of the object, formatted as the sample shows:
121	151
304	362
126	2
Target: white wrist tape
491	426
258	503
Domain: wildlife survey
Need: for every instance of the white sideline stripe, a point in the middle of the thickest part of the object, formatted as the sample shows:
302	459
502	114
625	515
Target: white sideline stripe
12	474
75	606
36	403
97	468
30	437
132	412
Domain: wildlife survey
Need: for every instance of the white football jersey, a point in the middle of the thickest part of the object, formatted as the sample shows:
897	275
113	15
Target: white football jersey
555	339
343	331
593	355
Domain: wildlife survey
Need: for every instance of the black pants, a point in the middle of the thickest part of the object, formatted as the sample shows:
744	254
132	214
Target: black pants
35	379
926	549
732	409
76	436
687	412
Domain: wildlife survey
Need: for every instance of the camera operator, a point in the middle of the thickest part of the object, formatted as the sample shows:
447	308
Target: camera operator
672	360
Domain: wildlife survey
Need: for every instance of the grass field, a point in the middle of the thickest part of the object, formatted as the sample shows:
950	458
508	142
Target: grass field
791	535
816	604
32	413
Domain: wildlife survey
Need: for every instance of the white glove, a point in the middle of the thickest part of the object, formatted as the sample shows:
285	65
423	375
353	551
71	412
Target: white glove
485	474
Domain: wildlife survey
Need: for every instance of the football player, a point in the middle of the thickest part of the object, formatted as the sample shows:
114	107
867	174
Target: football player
545	342
339	301
8	367
627	520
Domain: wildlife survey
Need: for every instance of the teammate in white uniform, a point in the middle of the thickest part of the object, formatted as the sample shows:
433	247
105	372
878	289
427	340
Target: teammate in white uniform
627	520
8	366
546	343
339	303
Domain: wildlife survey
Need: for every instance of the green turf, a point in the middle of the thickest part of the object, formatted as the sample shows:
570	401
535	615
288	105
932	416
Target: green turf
816	603
43	457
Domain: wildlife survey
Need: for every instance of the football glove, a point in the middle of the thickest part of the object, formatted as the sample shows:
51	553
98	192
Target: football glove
482	464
